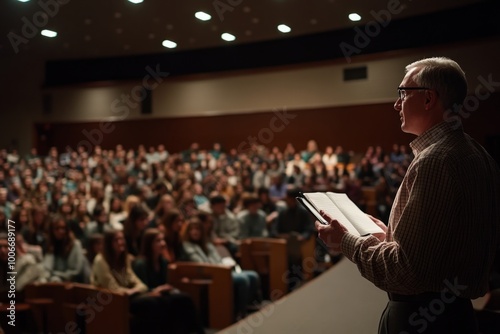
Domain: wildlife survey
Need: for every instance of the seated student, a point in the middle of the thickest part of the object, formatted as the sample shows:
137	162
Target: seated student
94	246
26	267
64	259
296	226
199	249
112	269
99	224
151	268
134	227
172	225
226	227
252	219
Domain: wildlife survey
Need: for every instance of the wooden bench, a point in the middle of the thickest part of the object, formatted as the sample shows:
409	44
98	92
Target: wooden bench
215	280
268	257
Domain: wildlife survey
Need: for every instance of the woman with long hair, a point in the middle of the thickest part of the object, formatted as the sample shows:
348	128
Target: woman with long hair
151	268
112	269
35	233
134	227
172	225
64	259
198	248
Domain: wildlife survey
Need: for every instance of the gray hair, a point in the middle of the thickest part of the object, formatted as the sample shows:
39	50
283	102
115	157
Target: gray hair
443	75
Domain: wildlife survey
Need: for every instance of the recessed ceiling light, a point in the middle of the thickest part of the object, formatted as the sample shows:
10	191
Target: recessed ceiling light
284	28
136	1
227	37
169	44
48	33
23	0
354	17
202	16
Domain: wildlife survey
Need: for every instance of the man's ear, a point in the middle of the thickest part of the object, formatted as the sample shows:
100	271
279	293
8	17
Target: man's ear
431	99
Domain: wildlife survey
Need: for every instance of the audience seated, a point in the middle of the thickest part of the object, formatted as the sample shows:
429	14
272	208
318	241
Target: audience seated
112	269
252	219
151	268
296	226
199	249
103	190
172	225
64	259
134	227
226	227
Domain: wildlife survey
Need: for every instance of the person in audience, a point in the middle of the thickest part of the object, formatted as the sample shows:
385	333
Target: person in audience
199	249
311	149
28	269
151	268
64	259
172	225
134	227
21	216
252	220
278	188
365	173
226	226
95	243
99	224
117	214
112	269
261	177
296	226
36	232
443	232
165	204
5	204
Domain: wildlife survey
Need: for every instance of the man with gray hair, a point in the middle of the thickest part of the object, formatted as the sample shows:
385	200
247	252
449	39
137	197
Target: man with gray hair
444	228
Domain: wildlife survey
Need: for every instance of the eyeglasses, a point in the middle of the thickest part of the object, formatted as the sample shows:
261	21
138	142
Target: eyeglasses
402	91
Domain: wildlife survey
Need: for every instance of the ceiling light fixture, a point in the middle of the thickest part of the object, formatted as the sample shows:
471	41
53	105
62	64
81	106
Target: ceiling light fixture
202	16
284	28
227	37
169	44
354	17
23	0
49	33
135	1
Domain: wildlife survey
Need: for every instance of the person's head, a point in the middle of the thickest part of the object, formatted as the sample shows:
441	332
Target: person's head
95	246
165	204
137	220
218	205
100	215
207	222
60	236
291	197
153	244
115	249
251	203
116	205
433	85
195	232
173	222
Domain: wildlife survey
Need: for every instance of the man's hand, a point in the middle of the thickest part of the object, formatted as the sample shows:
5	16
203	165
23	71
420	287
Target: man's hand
379	236
332	233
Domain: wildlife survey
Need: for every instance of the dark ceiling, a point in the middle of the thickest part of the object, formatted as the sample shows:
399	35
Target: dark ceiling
116	40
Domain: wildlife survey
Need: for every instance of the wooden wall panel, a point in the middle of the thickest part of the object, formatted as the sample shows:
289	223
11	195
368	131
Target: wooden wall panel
353	127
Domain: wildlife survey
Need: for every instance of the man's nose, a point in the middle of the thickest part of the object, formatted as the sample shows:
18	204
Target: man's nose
397	104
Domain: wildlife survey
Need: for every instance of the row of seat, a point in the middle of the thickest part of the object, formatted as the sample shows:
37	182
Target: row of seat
80	308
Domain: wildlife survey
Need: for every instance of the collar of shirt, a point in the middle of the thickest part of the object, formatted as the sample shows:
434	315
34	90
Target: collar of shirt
432	135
